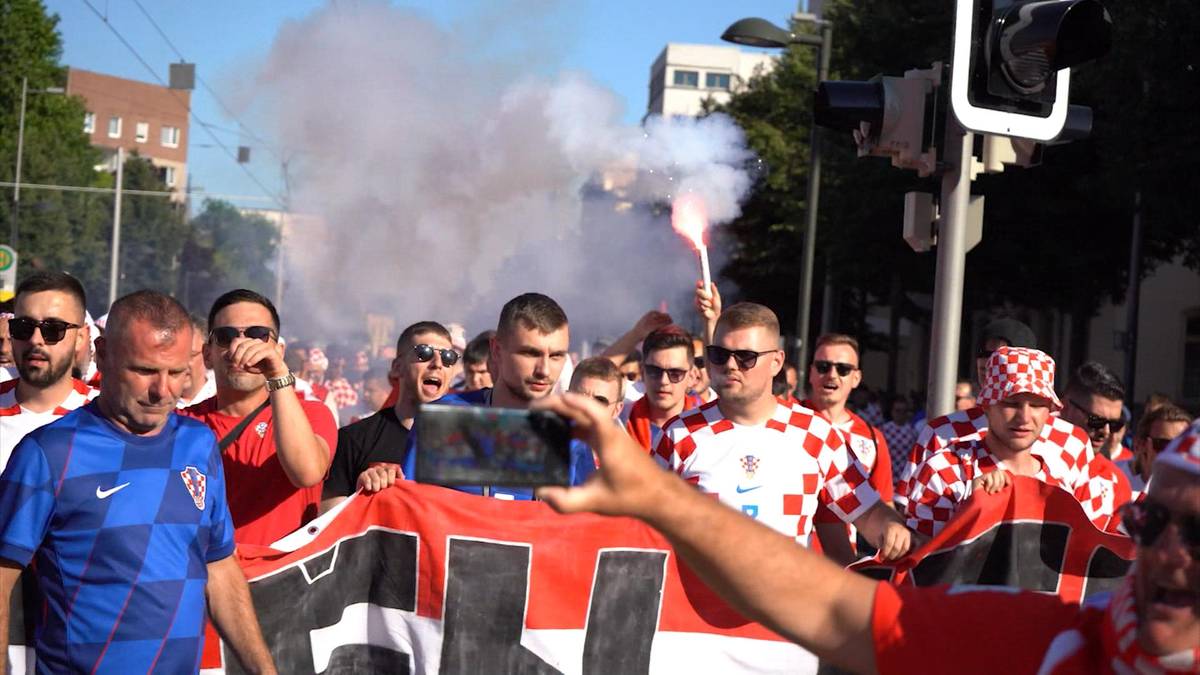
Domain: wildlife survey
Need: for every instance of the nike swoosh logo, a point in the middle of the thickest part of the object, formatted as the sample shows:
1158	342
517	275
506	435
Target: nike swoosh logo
740	489
105	494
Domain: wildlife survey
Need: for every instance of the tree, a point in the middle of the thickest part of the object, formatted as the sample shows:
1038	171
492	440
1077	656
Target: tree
152	231
1056	237
226	249
58	230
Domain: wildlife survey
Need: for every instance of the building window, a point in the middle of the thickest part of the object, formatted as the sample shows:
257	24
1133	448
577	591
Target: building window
687	78
1191	356
114	127
717	81
167	174
170	137
142	132
89	122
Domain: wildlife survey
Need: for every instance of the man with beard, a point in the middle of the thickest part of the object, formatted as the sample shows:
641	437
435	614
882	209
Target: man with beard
47	329
276	461
200	385
1150	624
421	369
118	509
776	463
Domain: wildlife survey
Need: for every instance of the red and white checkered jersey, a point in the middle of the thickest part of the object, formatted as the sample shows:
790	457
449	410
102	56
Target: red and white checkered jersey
1059	442
16	421
944	479
777	472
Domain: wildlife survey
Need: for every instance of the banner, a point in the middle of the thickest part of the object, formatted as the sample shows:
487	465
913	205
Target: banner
420	579
1033	536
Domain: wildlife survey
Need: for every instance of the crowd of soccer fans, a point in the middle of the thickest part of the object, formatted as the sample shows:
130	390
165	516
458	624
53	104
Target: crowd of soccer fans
140	449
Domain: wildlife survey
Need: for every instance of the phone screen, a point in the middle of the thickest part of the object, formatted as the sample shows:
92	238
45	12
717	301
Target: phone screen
470	445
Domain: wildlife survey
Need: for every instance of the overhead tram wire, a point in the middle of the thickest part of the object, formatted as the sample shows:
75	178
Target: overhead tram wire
228	111
232	156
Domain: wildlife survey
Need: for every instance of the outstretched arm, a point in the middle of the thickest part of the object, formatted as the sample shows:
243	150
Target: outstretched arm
650	322
795	592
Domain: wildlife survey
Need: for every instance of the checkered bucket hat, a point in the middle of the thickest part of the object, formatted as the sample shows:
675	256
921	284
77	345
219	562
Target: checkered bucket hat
1183	452
1018	370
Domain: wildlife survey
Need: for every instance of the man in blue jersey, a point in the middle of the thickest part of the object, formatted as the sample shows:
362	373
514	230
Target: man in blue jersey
528	352
120	506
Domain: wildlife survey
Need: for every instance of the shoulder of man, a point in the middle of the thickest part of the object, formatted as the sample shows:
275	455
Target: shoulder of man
692	421
477	397
1071	438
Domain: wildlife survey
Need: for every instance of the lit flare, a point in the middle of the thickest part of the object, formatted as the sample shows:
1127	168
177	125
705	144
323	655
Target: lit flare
690	219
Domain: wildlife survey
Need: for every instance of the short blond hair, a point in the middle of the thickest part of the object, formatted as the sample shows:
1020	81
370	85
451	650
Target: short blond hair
749	315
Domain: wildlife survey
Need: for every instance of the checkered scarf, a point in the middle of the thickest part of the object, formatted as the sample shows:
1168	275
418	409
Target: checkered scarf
1120	636
1018	370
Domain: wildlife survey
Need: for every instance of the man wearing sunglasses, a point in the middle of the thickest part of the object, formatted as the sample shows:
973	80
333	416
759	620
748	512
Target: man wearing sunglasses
601	380
370	452
1093	401
1150	625
667	374
1018	399
528	352
119	508
773	462
47	329
833	374
1155	431
275	463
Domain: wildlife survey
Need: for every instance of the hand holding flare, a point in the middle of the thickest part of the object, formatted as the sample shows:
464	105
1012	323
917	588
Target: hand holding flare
690	219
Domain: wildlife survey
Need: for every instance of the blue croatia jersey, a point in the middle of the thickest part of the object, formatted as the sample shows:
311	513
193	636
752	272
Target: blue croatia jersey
583	463
120	529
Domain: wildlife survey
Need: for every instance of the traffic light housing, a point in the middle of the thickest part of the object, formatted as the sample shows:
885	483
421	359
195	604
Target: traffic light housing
887	116
1012	59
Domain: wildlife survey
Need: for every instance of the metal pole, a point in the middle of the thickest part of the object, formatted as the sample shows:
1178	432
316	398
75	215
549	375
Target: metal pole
14	228
951	263
115	265
810	225
1133	300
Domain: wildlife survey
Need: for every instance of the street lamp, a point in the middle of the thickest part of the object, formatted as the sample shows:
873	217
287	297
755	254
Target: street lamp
20	150
755	32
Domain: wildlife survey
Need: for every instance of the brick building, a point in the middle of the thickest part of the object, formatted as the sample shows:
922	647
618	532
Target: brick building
145	118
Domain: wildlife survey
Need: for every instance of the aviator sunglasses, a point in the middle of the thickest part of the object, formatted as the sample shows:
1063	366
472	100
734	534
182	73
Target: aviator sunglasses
225	335
843	369
53	330
1146	520
655	373
425	352
746	358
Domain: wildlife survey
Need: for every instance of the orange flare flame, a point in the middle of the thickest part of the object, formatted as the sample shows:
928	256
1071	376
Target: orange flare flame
690	218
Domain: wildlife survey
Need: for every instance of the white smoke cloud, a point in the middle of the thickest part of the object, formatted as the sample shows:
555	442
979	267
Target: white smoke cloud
443	184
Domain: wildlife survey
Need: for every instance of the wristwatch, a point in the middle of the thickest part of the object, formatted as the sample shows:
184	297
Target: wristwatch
277	383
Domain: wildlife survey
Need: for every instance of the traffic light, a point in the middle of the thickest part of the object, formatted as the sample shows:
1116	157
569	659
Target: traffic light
887	116
1012	59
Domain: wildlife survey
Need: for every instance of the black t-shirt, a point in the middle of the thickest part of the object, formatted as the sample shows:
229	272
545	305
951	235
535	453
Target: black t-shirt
378	438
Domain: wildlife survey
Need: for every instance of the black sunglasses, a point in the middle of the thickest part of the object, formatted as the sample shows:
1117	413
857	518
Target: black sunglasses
425	353
698	361
1160	444
53	330
602	400
1096	422
1146	520
843	369
675	375
746	358
225	335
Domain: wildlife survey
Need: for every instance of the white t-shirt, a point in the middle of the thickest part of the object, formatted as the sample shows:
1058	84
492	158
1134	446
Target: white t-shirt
776	472
16	421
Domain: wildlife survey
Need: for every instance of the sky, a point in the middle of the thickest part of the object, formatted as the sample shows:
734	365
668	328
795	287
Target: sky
613	42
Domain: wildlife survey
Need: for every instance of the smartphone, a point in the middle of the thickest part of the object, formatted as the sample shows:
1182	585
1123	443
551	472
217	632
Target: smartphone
470	445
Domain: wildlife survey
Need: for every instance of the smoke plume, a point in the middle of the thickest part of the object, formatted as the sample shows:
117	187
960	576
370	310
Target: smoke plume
444	177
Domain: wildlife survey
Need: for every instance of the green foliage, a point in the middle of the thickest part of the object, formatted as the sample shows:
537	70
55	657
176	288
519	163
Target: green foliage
152	231
1055	236
226	249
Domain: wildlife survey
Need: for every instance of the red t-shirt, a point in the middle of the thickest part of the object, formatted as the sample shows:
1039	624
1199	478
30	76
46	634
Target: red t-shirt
262	500
992	629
